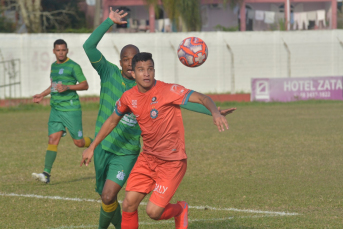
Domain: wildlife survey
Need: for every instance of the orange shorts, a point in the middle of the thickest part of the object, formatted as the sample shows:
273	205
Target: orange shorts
153	174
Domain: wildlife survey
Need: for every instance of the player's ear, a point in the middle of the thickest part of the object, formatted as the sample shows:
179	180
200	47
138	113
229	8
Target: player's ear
133	74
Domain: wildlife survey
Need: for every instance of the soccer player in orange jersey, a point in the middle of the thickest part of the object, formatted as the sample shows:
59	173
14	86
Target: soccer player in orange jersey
163	162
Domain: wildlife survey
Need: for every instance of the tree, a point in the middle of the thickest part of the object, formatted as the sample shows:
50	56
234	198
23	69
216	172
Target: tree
47	15
185	12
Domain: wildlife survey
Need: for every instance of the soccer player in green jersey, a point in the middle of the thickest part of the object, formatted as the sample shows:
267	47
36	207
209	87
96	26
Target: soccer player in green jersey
115	156
65	106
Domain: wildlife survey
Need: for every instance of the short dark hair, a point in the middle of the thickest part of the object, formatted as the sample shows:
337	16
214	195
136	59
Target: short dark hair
128	47
60	42
142	56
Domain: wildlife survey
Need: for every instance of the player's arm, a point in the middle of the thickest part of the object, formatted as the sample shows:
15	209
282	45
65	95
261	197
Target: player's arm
202	109
79	76
90	46
218	119
105	130
38	97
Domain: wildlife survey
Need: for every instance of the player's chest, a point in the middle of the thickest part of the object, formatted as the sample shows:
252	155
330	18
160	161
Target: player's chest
150	107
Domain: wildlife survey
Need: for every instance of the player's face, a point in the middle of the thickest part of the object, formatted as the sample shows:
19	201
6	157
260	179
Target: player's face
126	61
60	52
144	74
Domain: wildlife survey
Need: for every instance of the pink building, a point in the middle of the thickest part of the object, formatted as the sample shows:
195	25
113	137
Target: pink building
253	15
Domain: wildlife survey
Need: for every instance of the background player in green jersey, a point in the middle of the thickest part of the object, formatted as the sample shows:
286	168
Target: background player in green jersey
118	152
65	105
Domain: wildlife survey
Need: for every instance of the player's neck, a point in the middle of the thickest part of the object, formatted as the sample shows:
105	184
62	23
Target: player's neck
142	89
62	61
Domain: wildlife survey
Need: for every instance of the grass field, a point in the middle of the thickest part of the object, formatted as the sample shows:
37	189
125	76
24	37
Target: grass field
279	166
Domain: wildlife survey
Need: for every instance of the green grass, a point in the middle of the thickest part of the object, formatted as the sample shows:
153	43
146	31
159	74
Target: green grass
276	157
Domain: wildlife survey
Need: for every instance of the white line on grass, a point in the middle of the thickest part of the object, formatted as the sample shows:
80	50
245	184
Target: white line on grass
171	221
194	207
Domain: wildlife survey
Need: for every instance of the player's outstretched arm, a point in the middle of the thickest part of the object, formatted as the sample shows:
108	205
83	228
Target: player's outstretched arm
94	55
218	119
202	109
106	128
37	98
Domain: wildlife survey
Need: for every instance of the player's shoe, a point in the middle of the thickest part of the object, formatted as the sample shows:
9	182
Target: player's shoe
43	177
181	221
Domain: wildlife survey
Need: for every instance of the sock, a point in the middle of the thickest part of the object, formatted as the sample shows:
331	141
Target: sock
116	220
170	211
106	214
129	220
88	141
50	157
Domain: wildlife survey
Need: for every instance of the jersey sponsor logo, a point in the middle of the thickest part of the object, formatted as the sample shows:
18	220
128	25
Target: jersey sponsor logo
61	71
129	119
79	133
153	113
160	189
177	89
134	103
154	100
120	175
118	103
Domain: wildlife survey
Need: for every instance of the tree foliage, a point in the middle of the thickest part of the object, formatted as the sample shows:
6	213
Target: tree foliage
48	15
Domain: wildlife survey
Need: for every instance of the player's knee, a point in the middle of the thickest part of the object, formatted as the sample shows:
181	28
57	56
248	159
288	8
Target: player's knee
108	199
53	140
154	213
128	206
79	143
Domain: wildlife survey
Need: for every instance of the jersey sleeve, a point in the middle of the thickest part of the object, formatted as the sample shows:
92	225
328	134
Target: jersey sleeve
122	107
78	74
177	94
96	58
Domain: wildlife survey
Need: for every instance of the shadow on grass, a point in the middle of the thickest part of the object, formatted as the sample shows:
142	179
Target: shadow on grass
72	181
225	224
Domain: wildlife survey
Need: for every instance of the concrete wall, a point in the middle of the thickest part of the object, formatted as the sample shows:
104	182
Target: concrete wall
256	54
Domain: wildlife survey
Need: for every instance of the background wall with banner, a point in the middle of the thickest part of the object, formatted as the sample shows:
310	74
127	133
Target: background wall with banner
286	89
234	57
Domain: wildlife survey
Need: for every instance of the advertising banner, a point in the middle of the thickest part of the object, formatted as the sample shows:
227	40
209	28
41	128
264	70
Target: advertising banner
293	89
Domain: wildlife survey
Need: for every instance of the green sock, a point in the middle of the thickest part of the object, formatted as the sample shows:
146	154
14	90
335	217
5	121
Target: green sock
105	218
50	157
116	220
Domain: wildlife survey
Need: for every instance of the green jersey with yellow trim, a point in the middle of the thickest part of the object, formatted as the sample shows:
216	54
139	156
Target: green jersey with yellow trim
66	73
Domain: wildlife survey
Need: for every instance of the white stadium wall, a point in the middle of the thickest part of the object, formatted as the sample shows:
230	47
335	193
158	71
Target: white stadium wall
255	55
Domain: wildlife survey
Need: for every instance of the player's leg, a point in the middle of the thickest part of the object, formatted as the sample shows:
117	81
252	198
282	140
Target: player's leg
112	172
169	177
56	130
139	184
130	206
73	121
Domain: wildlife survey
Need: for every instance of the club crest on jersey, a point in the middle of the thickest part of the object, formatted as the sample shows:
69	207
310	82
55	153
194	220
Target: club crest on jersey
61	71
153	113
134	103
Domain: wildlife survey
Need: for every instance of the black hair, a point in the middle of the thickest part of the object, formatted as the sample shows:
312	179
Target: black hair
142	56
60	42
126	47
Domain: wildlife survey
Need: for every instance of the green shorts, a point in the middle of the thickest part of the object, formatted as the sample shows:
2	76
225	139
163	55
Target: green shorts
112	167
59	120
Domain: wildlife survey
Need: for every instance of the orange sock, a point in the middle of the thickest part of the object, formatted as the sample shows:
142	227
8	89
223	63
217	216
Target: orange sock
129	220
170	211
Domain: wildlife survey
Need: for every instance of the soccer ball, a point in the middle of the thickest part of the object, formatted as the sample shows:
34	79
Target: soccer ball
192	52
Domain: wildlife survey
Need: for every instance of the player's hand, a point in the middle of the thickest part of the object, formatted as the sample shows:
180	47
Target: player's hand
226	111
62	88
117	16
220	121
87	156
37	98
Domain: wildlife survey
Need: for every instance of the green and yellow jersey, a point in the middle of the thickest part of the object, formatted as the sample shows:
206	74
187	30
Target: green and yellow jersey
66	73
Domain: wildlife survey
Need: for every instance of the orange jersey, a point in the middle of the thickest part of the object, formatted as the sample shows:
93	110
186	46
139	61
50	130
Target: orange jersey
159	116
